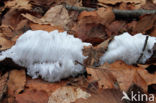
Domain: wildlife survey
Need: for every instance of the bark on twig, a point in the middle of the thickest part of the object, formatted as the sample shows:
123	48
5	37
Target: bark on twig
80	9
143	49
118	13
132	13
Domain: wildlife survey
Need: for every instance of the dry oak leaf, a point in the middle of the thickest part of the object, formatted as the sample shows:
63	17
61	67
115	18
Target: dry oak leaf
150	78
3	84
4	43
18	4
91	25
144	24
55	16
103	96
116	27
16	82
126	75
103	77
70	2
106	14
32	96
67	94
94	53
13	23
45	27
40	85
38	91
153	33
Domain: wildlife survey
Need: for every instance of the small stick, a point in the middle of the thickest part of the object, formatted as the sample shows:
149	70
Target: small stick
80	9
117	12
145	44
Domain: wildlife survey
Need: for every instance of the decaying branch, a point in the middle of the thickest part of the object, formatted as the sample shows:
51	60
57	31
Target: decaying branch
132	13
80	9
118	13
143	49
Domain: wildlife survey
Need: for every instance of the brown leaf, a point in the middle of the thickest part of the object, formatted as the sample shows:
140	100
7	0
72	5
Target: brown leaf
13	24
32	96
40	85
104	78
94	53
144	24
16	82
116	27
67	95
42	3
4	43
91	25
106	14
48	3
126	75
3	84
55	16
77	3
153	33
103	96
127	6
45	27
37	91
19	4
148	77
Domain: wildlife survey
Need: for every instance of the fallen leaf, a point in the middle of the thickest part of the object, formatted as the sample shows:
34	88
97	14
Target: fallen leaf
77	3
89	3
13	24
127	6
116	27
45	27
48	3
148	77
3	84
4	43
153	33
149	5
91	25
16	82
106	14
144	24
42	3
37	91
67	95
103	96
40	85
32	96
55	16
104	78
126	75
94	53
18	4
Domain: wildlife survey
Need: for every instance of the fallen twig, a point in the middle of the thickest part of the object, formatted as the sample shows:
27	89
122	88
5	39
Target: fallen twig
80	9
132	13
143	49
118	13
